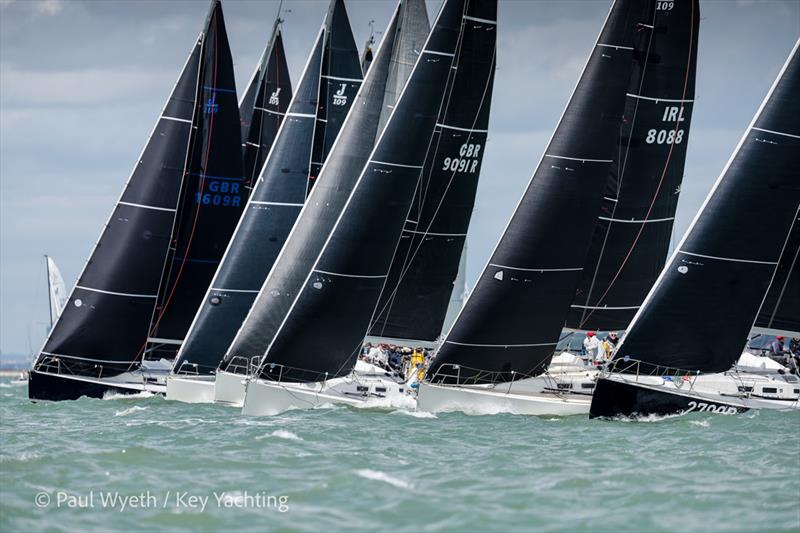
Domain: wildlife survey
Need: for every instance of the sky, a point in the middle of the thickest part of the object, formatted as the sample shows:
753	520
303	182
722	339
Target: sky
82	82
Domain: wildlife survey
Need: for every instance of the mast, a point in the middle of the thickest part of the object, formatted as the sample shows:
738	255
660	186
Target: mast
709	294
633	232
511	321
341	289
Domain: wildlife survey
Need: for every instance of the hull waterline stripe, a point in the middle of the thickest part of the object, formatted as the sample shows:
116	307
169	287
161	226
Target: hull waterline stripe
777	133
394	164
501	345
289	204
581	159
154	208
468	130
349	275
176	119
538	269
677	100
117	293
734	259
642	221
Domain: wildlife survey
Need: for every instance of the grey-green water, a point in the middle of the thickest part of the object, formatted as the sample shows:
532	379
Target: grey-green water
343	468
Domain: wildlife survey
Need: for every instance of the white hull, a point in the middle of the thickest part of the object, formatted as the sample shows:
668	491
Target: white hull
267	398
230	388
534	396
190	389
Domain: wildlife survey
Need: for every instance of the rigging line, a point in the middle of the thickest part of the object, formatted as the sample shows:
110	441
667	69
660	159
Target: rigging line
621	172
199	207
407	264
775	273
666	166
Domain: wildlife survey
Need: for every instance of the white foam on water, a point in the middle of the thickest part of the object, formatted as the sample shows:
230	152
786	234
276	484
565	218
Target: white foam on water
283	434
130	410
377	475
120	396
390	401
415	414
700	423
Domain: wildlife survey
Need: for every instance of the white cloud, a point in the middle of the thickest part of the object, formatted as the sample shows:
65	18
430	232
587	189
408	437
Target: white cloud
50	7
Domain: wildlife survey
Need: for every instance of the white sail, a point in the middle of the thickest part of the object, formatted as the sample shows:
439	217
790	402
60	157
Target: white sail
459	294
57	291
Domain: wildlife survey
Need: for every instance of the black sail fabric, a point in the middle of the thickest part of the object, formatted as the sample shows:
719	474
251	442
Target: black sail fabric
511	322
104	324
424	269
273	92
634	230
780	313
700	311
340	293
341	80
273	207
411	31
317	218
212	196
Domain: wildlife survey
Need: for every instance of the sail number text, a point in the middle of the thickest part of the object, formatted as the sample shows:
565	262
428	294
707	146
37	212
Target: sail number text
703	407
221	193
668	135
467	162
664	6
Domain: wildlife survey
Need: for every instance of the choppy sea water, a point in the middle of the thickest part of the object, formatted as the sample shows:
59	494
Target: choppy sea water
344	468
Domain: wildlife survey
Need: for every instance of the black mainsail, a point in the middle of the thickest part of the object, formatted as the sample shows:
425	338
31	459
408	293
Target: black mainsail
273	206
264	105
212	199
709	295
342	168
341	80
103	327
510	324
339	293
780	312
634	230
424	269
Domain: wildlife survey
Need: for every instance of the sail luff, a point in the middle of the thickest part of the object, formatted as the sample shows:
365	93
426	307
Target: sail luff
718	277
510	323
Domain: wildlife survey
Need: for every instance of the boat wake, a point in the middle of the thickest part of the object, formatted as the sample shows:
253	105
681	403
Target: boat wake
283	434
130	410
415	414
121	396
377	475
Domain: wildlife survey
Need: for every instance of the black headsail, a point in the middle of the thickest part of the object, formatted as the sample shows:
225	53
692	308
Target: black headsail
341	79
103	327
424	269
318	216
340	292
264	104
511	321
273	207
708	296
634	230
212	197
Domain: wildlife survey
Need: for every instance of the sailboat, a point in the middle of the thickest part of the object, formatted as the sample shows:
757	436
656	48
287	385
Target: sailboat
272	209
340	287
376	97
495	356
162	241
56	290
709	295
